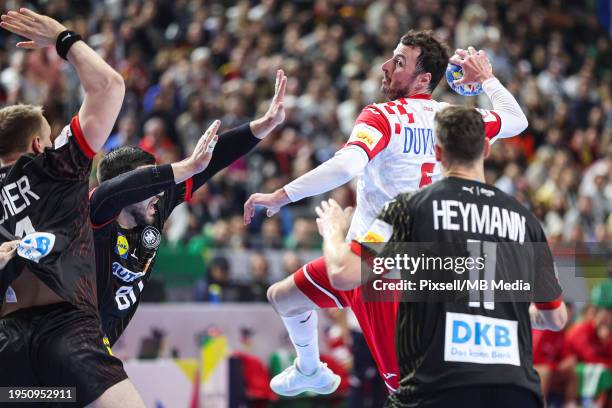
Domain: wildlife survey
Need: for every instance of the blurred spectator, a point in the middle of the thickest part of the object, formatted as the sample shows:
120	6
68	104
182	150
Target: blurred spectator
216	286
126	135
186	63
255	291
156	141
590	341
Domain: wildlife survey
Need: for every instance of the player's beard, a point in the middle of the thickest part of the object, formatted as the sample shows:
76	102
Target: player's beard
393	92
140	217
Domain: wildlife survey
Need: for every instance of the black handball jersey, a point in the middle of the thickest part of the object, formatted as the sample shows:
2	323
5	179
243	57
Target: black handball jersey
125	257
476	339
45	204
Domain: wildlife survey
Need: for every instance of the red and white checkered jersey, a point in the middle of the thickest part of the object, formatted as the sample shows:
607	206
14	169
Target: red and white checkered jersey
399	139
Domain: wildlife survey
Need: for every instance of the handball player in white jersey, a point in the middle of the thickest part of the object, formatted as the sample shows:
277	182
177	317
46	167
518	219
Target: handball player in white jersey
390	151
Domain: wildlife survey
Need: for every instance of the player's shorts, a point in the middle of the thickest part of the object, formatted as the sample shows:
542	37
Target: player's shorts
477	396
376	319
57	345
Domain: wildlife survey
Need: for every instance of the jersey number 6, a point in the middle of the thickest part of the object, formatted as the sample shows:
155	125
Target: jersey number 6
427	170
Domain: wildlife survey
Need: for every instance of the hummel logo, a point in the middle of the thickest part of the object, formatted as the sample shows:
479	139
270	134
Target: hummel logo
389	375
468	189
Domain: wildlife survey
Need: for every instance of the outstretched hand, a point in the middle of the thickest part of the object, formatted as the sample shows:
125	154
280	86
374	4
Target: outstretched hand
332	218
41	30
276	111
202	154
275	115
272	202
475	64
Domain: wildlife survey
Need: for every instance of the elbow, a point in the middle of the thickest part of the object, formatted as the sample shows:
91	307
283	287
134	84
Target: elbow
347	174
522	122
116	84
111	85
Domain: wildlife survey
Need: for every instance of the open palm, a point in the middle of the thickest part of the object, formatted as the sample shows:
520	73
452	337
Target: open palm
41	30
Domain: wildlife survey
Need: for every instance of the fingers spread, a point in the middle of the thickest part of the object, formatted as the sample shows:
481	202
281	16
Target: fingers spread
461	52
456	60
334	204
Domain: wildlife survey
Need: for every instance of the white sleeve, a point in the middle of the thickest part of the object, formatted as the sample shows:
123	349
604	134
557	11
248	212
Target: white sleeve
513	120
346	164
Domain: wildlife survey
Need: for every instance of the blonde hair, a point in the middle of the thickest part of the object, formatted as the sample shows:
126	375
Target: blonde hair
18	125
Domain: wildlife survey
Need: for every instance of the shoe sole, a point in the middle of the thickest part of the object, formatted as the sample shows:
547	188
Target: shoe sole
324	390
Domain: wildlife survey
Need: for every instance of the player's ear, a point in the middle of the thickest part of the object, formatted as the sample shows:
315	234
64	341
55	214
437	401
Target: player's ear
438	151
486	148
426	79
36	146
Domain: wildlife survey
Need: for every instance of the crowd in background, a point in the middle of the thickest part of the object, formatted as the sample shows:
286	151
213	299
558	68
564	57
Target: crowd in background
188	62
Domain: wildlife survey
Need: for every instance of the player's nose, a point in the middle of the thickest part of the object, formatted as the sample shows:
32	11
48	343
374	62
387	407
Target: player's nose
385	67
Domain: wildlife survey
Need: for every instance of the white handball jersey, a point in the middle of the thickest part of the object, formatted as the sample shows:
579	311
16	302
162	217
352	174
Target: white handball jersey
399	140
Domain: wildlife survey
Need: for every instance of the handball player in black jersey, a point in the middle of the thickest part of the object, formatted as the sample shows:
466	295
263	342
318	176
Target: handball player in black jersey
496	369
50	332
135	198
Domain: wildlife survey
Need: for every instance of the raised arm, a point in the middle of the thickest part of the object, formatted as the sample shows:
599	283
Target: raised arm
237	142
111	196
507	118
104	87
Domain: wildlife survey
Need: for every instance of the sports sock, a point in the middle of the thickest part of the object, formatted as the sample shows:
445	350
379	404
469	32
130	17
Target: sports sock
303	333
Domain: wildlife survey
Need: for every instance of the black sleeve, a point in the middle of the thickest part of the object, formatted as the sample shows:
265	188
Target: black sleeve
231	146
110	197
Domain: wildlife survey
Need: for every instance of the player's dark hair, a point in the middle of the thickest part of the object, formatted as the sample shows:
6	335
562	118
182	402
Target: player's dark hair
121	160
460	132
18	126
433	57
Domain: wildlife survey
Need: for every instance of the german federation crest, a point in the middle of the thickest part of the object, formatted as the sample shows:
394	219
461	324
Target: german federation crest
151	237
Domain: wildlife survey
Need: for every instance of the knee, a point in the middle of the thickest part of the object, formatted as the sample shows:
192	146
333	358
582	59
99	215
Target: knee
276	295
285	298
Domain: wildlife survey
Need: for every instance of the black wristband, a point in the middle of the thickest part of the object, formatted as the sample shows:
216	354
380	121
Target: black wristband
65	39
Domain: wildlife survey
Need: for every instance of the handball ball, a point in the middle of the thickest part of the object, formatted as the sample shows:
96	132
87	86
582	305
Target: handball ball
454	72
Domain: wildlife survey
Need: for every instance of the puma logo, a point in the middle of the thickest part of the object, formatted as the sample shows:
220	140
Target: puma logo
468	189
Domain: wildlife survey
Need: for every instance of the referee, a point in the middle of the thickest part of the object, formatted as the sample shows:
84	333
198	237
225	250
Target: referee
468	353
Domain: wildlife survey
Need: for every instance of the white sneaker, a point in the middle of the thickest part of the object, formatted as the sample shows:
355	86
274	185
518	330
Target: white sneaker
293	382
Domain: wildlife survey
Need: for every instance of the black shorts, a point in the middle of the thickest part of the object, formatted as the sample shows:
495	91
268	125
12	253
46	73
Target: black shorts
57	345
482	396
